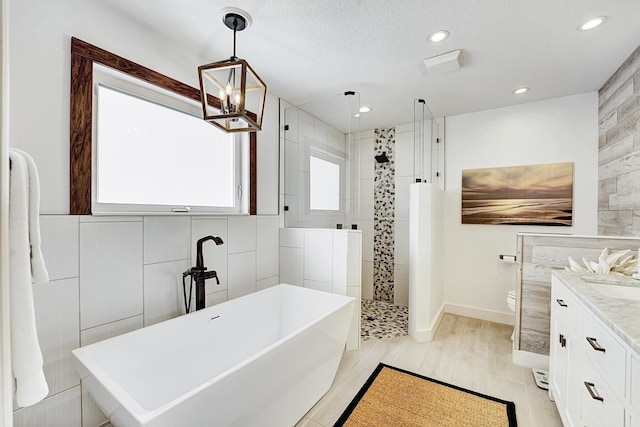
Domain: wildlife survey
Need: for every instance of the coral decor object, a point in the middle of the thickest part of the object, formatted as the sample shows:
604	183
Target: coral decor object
619	262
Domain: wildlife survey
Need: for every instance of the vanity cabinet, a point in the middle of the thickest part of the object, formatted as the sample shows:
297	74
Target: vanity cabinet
565	362
594	376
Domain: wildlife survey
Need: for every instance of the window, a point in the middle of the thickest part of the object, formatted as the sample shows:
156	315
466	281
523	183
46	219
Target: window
154	154
324	183
86	61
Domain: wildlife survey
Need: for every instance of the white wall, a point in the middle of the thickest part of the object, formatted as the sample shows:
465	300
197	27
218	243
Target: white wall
40	40
556	130
114	274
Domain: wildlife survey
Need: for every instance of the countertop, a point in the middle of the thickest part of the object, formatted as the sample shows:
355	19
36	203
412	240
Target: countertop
622	316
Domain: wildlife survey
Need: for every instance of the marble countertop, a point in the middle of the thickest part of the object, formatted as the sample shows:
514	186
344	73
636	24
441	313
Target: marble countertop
621	315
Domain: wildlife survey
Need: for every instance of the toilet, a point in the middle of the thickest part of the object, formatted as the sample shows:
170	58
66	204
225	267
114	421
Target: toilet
511	302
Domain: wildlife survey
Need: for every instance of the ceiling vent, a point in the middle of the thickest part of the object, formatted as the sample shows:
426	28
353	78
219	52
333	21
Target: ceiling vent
445	63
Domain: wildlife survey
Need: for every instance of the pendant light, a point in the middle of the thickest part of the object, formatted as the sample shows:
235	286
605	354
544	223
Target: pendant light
232	94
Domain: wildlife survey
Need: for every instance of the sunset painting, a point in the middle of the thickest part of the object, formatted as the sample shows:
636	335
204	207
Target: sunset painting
519	195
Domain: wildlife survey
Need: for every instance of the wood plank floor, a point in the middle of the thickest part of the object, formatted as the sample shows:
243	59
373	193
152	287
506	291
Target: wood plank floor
467	352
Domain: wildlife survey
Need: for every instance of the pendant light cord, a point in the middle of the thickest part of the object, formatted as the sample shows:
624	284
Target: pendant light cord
235	26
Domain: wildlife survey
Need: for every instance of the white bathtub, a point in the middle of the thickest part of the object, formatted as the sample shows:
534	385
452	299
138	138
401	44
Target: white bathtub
260	360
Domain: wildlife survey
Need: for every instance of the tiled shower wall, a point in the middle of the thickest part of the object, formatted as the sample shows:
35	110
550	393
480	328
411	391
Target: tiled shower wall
305	135
384	196
619	151
403	159
111	275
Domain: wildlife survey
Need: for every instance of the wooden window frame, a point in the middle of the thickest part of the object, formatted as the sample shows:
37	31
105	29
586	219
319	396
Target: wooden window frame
83	56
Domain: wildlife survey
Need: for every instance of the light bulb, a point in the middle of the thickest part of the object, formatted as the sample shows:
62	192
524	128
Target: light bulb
229	89
237	97
592	23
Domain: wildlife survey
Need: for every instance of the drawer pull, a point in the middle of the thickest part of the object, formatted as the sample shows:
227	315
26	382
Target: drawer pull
561	303
591	387
595	345
562	340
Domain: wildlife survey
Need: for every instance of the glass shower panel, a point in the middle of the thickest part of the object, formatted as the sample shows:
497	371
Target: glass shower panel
319	133
427	155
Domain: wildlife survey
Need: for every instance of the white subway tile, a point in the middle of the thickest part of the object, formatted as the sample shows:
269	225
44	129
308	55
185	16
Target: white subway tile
340	241
267	244
291	168
92	415
62	409
166	238
401	285
215	298
402	198
366	160
57	320
291	266
242	234
367	239
110	330
60	245
354	259
163	295
318	257
110	272
404	154
267	283
319	286
339	280
292	237
401	242
353	338
242	274
365	204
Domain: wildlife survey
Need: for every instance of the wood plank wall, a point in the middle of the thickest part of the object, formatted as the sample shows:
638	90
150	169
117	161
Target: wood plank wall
538	255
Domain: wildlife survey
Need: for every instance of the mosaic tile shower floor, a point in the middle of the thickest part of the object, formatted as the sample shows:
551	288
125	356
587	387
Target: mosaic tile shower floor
383	320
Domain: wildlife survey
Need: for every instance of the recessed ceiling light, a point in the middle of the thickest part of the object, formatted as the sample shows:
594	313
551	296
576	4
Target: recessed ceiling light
364	109
592	23
356	115
438	36
521	90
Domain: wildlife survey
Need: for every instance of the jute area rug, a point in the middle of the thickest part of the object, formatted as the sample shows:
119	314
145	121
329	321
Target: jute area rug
395	397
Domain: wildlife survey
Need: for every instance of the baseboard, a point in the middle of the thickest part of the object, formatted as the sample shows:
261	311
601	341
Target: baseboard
479	313
530	360
426	335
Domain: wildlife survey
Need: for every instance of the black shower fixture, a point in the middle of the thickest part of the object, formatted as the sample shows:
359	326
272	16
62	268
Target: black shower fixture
382	158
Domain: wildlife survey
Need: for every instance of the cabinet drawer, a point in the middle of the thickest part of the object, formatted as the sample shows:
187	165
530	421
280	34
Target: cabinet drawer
565	304
608	353
600	406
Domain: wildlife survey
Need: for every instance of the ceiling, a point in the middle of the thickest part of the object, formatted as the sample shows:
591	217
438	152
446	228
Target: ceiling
311	51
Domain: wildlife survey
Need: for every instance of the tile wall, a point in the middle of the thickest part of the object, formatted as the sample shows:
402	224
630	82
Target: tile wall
403	177
326	260
384	198
619	151
305	136
111	275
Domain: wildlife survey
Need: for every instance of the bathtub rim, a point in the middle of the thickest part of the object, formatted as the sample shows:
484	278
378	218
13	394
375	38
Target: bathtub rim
142	415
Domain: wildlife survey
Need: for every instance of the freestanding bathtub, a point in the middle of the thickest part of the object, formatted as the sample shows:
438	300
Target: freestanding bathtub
260	360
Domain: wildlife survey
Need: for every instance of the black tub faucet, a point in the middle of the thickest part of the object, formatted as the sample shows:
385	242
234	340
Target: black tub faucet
199	273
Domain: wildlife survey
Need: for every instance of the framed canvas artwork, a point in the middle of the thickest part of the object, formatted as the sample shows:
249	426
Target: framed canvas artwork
519	195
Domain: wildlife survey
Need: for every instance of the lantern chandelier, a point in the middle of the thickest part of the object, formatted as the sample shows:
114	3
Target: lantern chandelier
232	94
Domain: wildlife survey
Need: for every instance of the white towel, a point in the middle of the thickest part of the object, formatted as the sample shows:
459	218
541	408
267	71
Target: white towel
38	269
26	356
